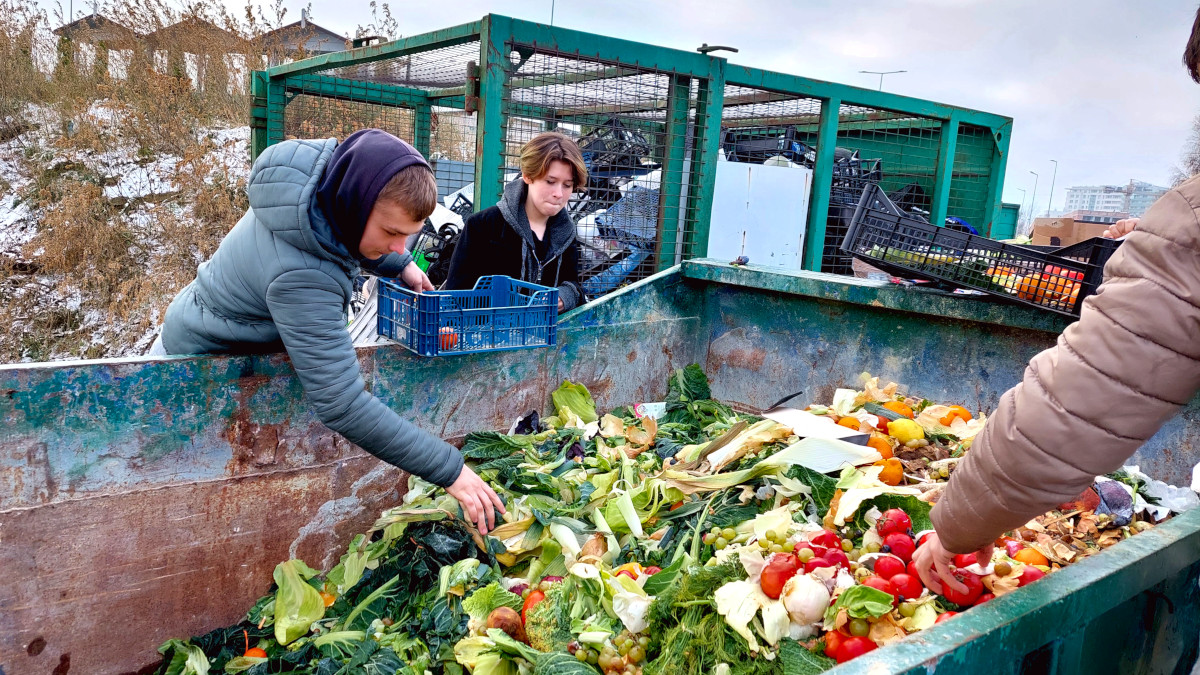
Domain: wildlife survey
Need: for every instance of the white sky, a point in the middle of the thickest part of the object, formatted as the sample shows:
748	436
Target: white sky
1097	85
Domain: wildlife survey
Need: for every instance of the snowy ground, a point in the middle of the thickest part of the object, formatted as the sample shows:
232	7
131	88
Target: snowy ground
140	186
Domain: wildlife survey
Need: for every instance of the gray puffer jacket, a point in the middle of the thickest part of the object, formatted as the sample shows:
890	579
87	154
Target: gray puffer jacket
280	279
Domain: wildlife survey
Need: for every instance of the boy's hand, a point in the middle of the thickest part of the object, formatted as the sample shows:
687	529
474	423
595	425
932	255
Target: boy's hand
414	278
479	502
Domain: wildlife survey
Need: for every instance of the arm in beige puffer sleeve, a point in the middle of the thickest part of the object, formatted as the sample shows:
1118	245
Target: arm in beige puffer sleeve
1086	405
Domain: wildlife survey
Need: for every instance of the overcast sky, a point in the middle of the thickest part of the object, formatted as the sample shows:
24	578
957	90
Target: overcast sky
1096	85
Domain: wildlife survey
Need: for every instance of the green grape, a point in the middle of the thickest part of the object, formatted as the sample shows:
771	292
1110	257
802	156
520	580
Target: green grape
908	609
721	543
729	533
860	627
847	545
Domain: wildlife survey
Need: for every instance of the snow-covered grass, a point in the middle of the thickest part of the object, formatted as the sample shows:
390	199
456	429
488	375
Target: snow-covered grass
98	231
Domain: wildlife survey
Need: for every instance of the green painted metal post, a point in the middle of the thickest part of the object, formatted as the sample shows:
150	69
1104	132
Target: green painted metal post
706	147
818	204
422	128
945	171
1001	135
258	113
276	105
675	144
490	117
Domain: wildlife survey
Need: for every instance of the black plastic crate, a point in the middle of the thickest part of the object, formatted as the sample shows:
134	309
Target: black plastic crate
1058	280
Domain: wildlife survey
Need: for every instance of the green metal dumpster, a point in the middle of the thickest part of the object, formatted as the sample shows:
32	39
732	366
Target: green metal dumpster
142	499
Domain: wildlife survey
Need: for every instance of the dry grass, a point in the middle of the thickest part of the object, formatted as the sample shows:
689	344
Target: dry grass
100	269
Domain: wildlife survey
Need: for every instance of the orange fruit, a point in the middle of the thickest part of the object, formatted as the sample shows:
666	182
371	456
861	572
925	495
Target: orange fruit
1030	556
893	471
850	423
956	411
880	444
899	408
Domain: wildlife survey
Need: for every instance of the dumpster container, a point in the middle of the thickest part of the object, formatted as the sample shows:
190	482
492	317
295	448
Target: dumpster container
143	499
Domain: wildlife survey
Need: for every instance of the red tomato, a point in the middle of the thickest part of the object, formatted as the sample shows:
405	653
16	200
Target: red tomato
530	600
906	586
912	570
816	563
837	557
854	647
1029	575
945	615
893	520
256	652
974	588
888	566
828	539
985	598
900	545
651	570
448	339
818	551
780	567
880	583
833	640
964	560
922	538
628	573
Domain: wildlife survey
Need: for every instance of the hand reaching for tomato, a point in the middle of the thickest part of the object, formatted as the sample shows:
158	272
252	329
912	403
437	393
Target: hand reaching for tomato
933	563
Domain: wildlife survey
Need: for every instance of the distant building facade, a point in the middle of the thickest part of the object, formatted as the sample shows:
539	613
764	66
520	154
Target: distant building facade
1132	199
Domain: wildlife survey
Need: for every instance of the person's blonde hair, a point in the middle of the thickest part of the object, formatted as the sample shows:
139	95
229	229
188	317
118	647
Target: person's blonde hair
414	189
551	146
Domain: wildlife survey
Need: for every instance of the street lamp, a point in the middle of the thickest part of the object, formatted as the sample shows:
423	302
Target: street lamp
1021	214
1033	202
1052	177
881	74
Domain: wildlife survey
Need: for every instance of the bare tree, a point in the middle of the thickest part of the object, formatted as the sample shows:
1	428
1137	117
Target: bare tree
382	24
1190	159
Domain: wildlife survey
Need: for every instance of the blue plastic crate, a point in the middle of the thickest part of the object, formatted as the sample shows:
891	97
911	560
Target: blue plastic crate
499	313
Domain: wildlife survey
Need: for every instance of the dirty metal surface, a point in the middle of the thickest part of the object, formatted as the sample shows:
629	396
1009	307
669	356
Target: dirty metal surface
99	582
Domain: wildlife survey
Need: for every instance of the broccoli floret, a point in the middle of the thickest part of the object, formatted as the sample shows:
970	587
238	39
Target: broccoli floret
548	623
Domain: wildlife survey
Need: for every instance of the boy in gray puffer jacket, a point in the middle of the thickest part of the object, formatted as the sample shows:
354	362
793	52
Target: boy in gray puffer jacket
282	278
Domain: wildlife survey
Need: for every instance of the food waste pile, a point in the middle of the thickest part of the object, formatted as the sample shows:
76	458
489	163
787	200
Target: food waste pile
682	538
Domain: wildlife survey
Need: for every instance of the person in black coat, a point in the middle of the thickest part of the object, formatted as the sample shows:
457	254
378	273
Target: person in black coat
528	234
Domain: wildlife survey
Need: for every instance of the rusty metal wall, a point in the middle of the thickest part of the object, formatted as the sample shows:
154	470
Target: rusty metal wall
157	495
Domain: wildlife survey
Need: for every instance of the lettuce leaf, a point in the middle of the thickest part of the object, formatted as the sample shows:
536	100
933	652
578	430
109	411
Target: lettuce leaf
485	445
186	658
861	602
297	604
484	601
573	401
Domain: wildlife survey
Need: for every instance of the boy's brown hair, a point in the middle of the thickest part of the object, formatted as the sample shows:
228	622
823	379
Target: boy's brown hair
413	188
549	147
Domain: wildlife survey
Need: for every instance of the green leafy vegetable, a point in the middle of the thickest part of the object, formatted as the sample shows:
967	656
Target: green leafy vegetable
823	487
796	660
297	603
490	597
916	509
558	663
573	401
484	445
861	602
186	658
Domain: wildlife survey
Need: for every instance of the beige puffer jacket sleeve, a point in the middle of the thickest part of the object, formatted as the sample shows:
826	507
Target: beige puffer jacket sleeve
1116	376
